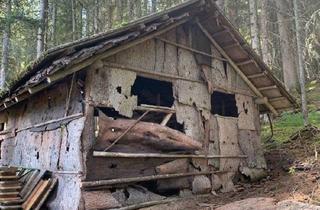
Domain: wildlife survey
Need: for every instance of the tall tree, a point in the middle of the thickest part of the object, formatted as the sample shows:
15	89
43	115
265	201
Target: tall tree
264	23
220	4
5	45
96	17
300	43
254	26
288	64
73	19
154	5
42	26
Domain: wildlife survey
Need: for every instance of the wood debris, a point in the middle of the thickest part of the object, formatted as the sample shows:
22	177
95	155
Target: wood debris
24	188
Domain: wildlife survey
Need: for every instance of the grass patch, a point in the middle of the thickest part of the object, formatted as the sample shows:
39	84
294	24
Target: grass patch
288	124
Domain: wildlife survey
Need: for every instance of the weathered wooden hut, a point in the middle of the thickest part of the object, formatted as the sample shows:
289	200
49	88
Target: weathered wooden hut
170	102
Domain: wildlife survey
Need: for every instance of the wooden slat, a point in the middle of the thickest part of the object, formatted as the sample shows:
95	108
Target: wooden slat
277	99
253	76
267	88
237	69
245	62
36	194
102	183
157	155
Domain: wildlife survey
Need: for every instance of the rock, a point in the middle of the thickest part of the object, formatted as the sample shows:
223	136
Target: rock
201	185
255	174
99	200
135	195
293	205
250	204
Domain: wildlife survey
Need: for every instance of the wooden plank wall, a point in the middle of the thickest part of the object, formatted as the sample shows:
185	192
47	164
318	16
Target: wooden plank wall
57	150
192	101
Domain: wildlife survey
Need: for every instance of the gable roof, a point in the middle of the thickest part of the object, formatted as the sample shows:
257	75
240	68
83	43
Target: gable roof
61	61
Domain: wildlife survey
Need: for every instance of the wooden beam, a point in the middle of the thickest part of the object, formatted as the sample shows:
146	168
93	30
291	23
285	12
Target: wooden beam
277	99
106	183
231	45
155	109
218	33
157	155
261	100
245	62
190	49
267	88
237	69
253	76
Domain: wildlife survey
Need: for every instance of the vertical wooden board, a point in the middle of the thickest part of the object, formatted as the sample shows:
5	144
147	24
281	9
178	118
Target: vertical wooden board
67	194
191	119
140	56
214	148
49	149
250	144
246	111
7	151
27	150
193	94
159	55
228	142
70	152
218	73
187	64
171	56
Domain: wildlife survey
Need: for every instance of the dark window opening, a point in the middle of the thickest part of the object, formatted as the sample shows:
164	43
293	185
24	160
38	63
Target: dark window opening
2	126
224	104
153	92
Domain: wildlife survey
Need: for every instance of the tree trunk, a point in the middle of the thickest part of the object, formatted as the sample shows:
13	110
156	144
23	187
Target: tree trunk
301	60
54	23
73	17
5	45
220	4
289	73
145	7
254	26
42	27
138	8
266	54
154	6
131	9
96	17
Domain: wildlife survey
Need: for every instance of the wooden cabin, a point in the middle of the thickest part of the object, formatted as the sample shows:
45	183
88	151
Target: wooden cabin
169	103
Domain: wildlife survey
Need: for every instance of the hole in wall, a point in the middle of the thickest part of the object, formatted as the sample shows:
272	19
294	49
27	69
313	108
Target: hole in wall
119	90
37	155
153	92
224	104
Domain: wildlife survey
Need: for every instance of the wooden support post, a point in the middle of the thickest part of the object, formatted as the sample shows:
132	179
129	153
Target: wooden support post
237	69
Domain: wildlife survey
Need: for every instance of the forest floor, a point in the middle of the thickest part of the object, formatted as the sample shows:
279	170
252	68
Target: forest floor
292	158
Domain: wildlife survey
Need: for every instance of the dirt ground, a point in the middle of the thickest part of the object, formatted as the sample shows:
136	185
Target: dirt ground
294	173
